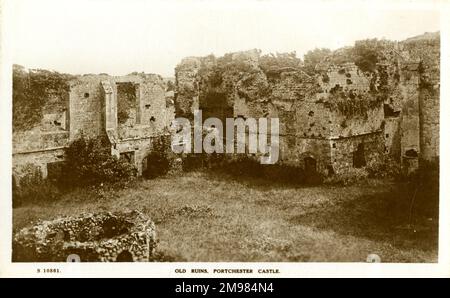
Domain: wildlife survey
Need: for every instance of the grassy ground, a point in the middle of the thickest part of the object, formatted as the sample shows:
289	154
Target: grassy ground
211	217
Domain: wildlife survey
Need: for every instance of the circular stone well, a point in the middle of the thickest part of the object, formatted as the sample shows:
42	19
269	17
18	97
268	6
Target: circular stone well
99	237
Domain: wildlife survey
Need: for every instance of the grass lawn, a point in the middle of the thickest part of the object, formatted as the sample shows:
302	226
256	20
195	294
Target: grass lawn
210	217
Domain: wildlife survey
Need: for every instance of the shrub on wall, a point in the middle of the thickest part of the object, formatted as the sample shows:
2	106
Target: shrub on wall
31	91
89	162
313	58
273	63
158	163
351	105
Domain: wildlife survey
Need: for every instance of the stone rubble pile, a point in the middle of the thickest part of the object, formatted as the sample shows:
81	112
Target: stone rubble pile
100	237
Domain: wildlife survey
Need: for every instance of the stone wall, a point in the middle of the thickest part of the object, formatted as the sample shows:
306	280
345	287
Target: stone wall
186	96
39	159
397	105
429	137
44	143
349	126
312	120
138	149
348	76
392	136
100	237
344	150
92	111
429	100
86	107
294	151
150	114
240	87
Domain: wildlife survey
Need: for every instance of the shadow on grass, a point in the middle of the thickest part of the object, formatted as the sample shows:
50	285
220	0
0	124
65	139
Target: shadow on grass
406	216
260	181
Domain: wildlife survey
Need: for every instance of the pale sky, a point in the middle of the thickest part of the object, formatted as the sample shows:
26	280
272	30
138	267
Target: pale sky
119	37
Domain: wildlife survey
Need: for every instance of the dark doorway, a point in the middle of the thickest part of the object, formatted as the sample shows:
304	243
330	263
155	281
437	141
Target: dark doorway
155	164
124	256
359	159
215	104
310	165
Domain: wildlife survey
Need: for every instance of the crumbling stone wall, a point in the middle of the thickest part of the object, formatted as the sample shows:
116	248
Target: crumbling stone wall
312	120
101	237
347	76
396	101
429	137
344	150
307	113
40	158
429	102
186	80
146	113
149	114
344	126
91	109
39	140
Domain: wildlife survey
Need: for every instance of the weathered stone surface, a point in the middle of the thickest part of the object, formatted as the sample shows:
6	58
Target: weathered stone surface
392	109
92	109
302	103
100	237
397	103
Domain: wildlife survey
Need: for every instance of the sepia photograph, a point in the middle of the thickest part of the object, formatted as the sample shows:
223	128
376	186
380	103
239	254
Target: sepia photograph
247	132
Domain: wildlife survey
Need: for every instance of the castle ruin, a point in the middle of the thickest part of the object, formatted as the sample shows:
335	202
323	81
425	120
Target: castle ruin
129	110
338	118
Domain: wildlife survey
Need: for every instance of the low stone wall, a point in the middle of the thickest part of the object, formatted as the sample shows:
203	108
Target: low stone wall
101	237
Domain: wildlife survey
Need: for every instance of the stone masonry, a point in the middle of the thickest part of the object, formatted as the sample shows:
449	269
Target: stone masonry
340	118
92	110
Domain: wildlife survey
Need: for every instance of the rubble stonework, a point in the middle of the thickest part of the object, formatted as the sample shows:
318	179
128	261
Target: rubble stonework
101	237
92	110
340	118
328	119
308	125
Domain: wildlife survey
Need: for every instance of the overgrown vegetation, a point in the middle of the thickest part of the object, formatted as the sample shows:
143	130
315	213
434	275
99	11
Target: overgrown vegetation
32	90
126	100
247	219
88	161
350	104
383	167
313	58
365	54
32	187
158	163
273	64
349	177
